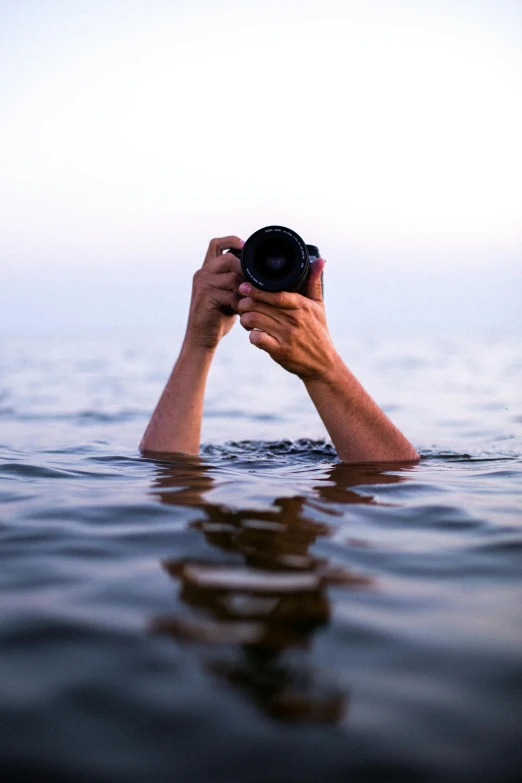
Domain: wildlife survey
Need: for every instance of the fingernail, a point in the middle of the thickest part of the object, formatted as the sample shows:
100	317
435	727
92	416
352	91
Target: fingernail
245	288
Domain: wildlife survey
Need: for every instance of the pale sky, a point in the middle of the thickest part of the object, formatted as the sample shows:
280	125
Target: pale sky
387	132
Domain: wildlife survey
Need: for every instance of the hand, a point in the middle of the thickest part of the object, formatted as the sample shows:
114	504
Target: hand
215	288
290	327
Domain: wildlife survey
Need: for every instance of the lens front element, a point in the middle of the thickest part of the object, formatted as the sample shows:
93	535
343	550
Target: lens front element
275	258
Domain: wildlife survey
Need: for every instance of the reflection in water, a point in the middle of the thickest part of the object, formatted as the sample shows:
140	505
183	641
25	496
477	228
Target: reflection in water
264	602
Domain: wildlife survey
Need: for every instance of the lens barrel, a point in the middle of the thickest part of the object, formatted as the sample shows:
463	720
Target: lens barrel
275	258
313	253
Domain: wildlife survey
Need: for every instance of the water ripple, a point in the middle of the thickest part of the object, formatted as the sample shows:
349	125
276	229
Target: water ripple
263	609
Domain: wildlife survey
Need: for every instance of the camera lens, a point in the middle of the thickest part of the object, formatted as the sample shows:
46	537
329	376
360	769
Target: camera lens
275	258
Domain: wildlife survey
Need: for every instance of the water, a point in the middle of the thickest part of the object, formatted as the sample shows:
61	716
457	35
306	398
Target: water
263	612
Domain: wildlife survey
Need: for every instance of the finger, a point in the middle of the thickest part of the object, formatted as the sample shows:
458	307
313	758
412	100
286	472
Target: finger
264	341
227	281
282	299
219	244
314	284
225	263
221	298
249	305
258	321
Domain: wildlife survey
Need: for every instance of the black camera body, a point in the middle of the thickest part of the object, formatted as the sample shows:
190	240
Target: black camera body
275	258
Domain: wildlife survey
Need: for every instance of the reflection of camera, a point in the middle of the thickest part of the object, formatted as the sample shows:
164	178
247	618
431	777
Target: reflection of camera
275	258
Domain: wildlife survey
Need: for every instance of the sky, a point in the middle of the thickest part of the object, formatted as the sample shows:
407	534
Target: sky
388	132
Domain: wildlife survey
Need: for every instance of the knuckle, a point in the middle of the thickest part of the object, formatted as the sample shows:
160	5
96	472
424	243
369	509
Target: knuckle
284	353
213	248
291	334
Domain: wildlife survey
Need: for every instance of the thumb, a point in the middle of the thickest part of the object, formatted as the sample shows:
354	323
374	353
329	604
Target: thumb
314	284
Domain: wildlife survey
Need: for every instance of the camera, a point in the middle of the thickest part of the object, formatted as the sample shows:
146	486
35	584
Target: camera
275	258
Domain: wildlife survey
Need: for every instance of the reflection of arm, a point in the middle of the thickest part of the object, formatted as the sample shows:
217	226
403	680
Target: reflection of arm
176	422
293	330
359	429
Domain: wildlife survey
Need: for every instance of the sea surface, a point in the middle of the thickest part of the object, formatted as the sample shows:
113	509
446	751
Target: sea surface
262	612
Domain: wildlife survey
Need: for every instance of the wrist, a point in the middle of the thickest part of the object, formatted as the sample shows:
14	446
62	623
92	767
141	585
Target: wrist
327	374
194	361
197	347
204	336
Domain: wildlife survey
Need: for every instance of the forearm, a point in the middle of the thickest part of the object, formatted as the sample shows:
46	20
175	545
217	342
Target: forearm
175	425
359	429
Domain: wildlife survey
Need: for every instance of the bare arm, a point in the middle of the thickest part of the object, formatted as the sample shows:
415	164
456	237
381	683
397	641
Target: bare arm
359	429
175	425
293	330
